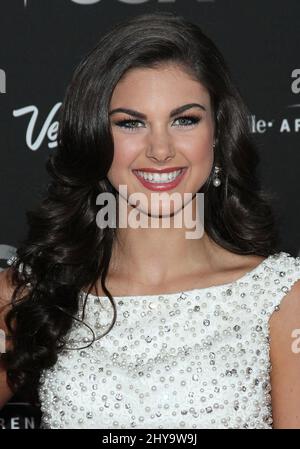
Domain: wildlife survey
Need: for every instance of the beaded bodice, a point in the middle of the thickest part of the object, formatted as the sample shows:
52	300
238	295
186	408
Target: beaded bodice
192	359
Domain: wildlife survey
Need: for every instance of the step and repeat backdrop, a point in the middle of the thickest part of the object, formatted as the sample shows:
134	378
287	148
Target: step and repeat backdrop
41	43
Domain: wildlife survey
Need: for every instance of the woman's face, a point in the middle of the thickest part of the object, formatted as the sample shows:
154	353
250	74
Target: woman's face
156	139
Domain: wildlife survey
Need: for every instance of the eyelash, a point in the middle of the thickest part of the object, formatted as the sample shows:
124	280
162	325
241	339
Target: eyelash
194	119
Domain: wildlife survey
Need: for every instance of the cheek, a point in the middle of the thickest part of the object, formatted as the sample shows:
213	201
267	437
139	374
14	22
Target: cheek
125	153
200	156
198	150
126	149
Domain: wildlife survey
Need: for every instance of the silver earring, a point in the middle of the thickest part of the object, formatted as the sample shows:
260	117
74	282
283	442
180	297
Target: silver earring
216	179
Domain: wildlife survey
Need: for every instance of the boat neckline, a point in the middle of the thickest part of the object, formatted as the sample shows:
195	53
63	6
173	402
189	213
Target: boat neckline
242	278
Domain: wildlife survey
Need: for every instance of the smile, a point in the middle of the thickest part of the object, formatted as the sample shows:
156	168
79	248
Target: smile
160	181
158	178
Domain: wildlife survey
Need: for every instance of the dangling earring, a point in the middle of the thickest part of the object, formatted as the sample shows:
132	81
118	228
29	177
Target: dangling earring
217	169
216	179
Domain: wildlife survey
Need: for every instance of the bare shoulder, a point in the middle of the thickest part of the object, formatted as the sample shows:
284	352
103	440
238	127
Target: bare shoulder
250	262
233	266
289	313
285	360
6	291
284	322
6	288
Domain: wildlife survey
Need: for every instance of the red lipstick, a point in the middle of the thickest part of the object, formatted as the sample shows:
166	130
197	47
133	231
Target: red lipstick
161	186
157	170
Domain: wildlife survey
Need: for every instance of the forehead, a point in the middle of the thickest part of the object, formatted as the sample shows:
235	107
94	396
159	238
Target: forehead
148	85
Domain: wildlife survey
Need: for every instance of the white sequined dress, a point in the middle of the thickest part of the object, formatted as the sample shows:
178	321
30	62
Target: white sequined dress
188	360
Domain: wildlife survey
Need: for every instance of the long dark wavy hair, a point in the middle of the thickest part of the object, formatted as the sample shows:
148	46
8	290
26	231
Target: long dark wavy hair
64	250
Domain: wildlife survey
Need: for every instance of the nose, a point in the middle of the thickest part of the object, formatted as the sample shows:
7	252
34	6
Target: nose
160	147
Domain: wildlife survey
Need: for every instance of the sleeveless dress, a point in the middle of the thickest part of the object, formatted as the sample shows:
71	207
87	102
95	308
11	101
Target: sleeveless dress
188	360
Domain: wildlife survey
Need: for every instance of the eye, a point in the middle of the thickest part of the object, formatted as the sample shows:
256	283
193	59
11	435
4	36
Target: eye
128	124
188	120
185	121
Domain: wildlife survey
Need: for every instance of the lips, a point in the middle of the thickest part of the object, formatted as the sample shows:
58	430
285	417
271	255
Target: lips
155	170
161	186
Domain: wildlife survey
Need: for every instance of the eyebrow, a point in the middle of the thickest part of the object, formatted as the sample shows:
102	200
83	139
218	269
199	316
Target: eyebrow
172	113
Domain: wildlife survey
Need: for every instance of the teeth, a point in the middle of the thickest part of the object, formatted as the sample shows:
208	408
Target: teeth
158	178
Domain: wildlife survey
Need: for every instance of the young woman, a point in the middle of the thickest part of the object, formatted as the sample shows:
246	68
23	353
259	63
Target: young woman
126	326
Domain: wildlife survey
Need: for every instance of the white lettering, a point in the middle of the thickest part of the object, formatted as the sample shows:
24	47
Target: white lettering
295	86
285	126
15	422
29	423
136	218
2	82
2	342
296	343
129	2
49	129
257	126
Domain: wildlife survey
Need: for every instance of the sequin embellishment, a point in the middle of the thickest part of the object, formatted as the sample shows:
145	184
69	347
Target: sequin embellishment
196	359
